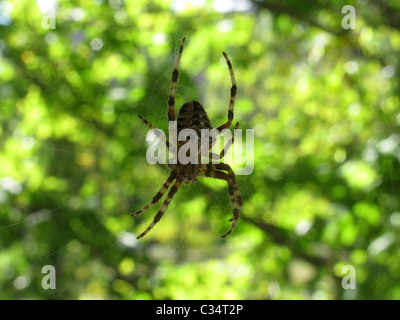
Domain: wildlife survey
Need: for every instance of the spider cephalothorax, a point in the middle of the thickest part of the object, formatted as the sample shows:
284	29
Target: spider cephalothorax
193	116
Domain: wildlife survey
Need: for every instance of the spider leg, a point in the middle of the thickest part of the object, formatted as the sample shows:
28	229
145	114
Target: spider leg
233	95
159	194
226	167
236	198
215	156
164	206
175	75
157	133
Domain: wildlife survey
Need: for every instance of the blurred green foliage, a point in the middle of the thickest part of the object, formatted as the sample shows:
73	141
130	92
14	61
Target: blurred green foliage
324	103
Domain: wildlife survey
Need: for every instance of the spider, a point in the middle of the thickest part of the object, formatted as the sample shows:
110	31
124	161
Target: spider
192	115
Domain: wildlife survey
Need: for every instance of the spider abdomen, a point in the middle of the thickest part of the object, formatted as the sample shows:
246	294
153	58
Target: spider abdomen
192	115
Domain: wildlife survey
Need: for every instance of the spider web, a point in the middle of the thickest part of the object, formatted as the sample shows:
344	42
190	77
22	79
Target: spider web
127	238
145	107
